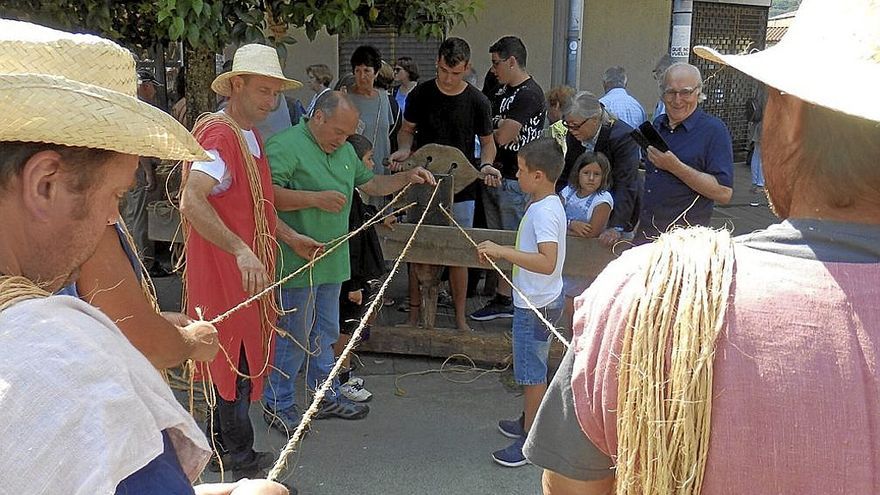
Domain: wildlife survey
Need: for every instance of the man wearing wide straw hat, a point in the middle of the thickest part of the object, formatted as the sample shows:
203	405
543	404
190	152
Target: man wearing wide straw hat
228	207
785	363
82	410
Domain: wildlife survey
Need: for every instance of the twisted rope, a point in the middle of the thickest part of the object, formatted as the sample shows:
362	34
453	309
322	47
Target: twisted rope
531	306
281	463
15	289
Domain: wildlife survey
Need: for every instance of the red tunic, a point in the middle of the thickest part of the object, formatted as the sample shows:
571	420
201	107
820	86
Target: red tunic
213	280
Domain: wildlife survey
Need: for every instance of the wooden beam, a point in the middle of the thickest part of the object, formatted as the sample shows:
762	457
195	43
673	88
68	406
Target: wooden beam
437	245
484	347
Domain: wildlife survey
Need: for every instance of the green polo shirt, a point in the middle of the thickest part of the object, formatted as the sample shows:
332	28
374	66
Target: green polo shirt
298	163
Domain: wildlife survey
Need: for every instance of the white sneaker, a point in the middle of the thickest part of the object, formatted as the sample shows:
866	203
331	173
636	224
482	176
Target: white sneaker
356	381
355	392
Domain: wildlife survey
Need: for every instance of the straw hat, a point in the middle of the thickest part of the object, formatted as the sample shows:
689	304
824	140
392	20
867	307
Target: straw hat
80	90
830	56
256	59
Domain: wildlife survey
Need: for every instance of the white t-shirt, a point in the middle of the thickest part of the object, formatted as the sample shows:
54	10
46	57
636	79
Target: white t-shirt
544	221
216	168
81	409
581	209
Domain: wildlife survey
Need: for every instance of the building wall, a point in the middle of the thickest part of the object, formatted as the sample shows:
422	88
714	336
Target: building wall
530	20
634	37
612	35
304	53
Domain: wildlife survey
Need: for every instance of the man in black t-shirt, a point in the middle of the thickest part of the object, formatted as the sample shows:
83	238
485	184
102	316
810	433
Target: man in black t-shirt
447	110
518	114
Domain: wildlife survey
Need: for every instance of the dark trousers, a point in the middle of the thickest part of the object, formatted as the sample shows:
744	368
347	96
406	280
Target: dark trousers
232	432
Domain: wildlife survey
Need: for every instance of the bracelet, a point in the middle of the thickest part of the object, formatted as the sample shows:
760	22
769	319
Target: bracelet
484	165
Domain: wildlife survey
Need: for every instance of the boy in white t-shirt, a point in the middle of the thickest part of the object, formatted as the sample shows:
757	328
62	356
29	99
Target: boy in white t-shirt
537	262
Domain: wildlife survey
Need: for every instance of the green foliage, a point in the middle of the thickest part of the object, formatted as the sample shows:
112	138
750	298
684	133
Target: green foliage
214	23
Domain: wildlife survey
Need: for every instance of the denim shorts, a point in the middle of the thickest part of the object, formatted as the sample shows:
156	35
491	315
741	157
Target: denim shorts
463	213
505	205
531	342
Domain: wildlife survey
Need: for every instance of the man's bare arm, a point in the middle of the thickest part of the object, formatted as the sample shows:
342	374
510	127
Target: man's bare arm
507	132
108	281
488	149
381	185
701	182
304	246
194	206
292	200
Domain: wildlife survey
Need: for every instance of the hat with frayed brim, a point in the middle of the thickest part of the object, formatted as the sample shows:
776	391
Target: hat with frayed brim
80	90
830	57
257	60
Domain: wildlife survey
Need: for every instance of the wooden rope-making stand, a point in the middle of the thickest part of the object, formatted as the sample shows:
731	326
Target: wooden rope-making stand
438	244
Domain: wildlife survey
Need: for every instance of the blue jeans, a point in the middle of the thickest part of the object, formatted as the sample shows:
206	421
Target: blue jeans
504	205
315	324
531	342
757	169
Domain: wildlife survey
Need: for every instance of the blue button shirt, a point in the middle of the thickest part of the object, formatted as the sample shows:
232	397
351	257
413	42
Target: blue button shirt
624	106
701	141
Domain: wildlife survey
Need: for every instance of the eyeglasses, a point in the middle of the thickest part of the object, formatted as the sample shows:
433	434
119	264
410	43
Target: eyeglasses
670	94
496	61
574	127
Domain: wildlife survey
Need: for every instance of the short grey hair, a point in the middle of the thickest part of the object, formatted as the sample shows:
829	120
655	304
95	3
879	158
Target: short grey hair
614	77
585	105
686	67
330	101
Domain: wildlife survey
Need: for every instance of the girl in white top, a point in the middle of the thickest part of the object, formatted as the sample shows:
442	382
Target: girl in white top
588	205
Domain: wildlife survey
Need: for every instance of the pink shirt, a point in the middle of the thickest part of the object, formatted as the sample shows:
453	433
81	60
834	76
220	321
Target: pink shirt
797	389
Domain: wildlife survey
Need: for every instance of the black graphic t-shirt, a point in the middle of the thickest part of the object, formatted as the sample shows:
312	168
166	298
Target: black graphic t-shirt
524	104
450	120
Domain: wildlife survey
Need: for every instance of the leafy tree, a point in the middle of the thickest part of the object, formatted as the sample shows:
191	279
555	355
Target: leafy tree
205	26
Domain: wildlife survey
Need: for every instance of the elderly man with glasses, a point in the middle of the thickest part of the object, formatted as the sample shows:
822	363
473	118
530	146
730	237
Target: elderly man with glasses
592	128
683	184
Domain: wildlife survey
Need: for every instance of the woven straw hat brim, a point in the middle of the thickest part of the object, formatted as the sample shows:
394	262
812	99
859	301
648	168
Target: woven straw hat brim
809	80
223	87
830	57
52	109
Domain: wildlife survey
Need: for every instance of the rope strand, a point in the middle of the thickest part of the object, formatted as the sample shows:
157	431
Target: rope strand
281	463
531	306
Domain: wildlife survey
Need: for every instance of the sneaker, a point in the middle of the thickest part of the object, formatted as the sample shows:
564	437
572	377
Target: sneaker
257	467
498	307
251	469
355	392
343	408
512	456
216	460
513	428
284	420
444	299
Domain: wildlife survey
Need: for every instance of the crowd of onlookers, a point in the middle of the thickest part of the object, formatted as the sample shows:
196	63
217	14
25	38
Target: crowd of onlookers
611	183
694	358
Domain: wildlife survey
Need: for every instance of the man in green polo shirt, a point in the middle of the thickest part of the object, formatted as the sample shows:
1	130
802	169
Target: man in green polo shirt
315	171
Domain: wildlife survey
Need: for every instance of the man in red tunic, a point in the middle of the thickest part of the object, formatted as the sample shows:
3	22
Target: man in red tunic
228	206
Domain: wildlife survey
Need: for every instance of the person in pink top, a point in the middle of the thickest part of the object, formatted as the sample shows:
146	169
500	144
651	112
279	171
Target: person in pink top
796	391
